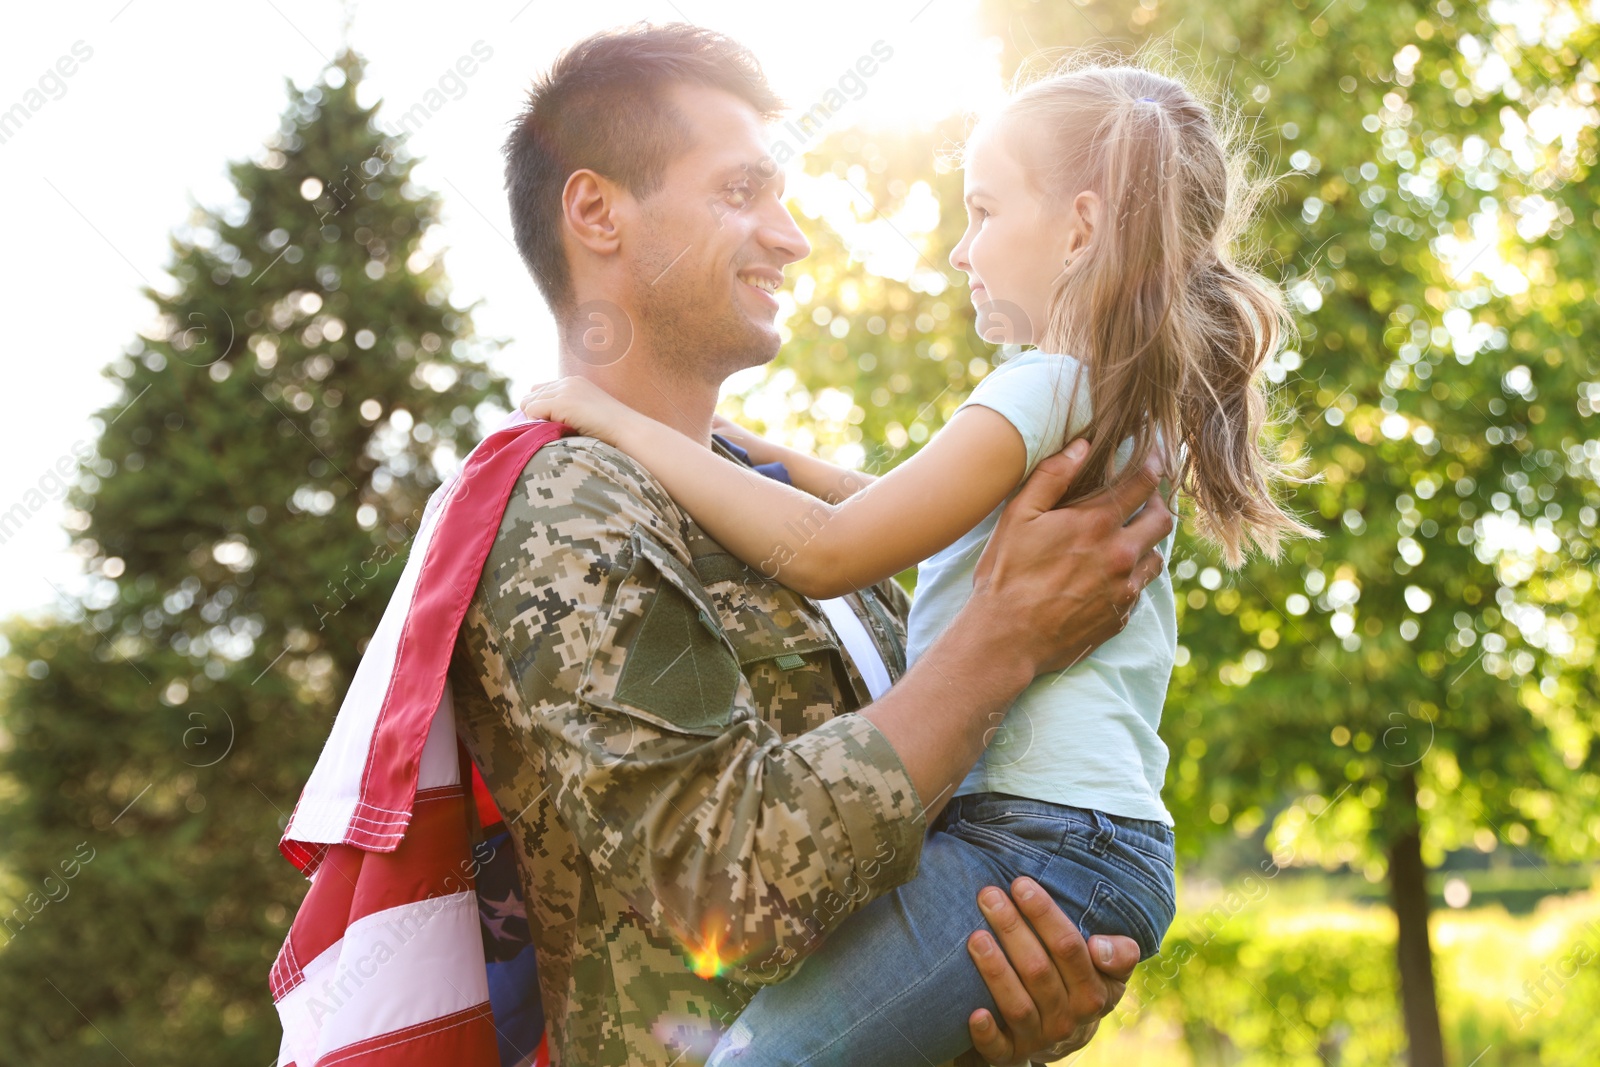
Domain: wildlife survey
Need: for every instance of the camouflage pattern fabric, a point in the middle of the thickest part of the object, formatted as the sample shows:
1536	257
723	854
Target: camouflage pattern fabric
668	735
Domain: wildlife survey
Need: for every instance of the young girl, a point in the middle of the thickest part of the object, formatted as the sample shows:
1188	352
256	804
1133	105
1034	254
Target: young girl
1101	205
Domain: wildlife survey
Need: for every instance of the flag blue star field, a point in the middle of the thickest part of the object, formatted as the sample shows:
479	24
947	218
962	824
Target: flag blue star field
508	953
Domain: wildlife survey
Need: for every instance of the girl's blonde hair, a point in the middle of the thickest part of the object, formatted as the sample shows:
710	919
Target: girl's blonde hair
1172	332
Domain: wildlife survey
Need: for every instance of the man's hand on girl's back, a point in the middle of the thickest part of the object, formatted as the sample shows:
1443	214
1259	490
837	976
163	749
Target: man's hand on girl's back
1060	581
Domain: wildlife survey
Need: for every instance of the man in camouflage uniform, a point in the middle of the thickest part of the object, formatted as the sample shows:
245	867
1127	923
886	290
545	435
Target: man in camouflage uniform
696	788
643	715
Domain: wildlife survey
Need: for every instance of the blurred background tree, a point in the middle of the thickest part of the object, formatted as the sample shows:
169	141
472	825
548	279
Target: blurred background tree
273	446
1417	684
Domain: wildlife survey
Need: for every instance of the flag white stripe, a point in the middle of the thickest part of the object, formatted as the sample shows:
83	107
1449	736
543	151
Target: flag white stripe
300	1035
391	970
439	763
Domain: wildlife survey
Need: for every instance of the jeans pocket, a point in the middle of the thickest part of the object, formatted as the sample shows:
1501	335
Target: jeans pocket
1039	820
1113	911
990	809
1017	839
1137	855
1155	841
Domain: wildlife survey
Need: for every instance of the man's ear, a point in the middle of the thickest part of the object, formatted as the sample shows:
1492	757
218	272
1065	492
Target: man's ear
1082	220
589	204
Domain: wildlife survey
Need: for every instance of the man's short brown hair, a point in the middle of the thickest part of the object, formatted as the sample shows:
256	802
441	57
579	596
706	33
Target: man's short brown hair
604	106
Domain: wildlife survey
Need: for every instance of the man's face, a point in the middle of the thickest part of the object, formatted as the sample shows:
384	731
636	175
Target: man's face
710	245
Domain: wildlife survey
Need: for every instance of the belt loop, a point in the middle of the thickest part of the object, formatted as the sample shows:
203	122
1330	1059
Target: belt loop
1104	830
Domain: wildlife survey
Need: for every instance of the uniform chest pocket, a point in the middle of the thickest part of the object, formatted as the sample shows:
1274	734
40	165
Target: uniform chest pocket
661	653
784	648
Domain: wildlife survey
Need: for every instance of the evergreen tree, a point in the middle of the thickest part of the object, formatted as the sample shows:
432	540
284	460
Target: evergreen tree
247	511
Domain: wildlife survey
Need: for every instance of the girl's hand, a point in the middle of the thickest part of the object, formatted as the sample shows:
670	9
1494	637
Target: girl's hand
726	427
721	424
581	404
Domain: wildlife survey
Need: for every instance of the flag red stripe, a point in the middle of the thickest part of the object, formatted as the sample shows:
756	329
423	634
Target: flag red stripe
418	838
466	530
434	860
488	813
464	1037
321	919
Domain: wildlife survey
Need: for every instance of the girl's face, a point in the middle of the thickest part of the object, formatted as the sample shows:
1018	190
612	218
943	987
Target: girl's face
1015	244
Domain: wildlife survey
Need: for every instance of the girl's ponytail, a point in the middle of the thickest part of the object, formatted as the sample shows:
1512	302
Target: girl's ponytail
1241	324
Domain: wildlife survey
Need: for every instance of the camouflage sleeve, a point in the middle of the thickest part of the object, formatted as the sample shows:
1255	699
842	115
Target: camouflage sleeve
742	846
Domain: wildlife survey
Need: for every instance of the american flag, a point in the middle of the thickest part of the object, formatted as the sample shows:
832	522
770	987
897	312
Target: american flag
411	946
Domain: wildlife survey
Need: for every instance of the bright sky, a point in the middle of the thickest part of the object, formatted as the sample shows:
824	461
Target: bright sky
171	90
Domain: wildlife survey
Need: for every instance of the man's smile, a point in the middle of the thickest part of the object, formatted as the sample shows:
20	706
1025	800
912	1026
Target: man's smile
764	280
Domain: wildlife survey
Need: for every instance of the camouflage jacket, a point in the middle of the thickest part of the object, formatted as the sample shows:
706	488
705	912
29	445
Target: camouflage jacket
665	732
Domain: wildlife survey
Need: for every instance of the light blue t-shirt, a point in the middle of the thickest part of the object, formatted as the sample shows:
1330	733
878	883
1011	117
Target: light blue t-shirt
1085	736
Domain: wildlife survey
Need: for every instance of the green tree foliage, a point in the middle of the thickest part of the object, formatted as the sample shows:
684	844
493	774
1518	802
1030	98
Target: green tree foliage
1253	978
243	520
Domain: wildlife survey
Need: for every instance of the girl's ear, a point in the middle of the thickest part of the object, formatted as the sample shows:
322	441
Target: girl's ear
1082	219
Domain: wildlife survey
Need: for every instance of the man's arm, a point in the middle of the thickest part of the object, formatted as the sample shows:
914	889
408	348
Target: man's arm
743	847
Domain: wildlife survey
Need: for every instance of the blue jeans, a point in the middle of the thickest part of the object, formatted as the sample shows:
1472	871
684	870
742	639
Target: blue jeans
893	985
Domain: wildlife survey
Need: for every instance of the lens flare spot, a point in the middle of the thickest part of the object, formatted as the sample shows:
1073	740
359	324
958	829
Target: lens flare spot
707	961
